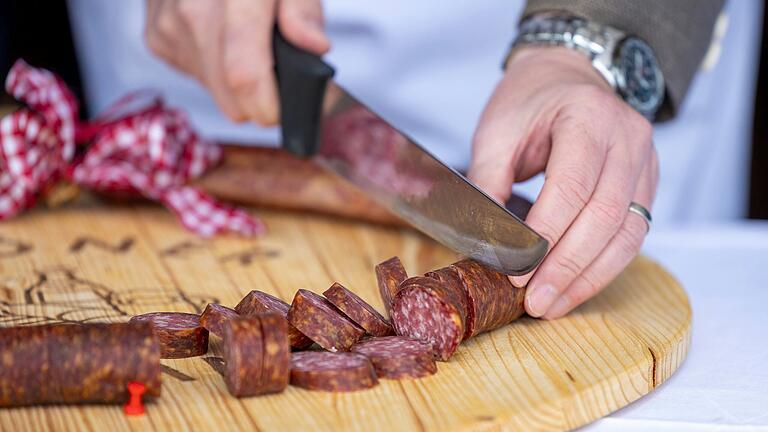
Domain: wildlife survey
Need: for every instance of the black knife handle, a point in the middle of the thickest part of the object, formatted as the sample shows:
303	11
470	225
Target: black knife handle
301	81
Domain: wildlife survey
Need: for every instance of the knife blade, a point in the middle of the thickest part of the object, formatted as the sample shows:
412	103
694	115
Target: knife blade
323	121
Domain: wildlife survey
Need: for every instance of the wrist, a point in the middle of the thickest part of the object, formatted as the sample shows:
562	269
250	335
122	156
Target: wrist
557	62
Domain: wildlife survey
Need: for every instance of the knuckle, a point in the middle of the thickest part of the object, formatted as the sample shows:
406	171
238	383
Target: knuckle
573	187
630	239
589	288
190	12
238	77
609	212
567	265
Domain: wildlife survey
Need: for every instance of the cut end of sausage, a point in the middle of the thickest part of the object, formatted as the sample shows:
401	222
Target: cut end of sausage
423	312
214	316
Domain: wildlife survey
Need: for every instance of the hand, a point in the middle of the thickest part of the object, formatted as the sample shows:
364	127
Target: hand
553	112
227	46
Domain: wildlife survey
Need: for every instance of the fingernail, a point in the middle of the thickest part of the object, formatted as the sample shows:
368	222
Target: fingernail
518	281
560	307
540	298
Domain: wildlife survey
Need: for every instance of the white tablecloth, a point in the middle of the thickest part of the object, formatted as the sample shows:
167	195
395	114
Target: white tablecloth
723	383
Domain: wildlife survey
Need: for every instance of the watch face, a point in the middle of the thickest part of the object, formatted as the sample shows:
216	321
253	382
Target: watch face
643	85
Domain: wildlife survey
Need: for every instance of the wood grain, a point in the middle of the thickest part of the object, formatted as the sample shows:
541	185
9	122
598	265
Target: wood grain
91	263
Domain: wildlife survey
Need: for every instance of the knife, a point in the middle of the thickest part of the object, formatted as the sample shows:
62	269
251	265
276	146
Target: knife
322	121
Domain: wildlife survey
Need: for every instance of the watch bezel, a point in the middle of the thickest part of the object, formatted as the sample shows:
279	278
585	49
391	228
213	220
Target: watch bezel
650	107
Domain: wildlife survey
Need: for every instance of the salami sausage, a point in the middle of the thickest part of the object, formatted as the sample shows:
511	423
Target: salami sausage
257	302
256	354
181	335
451	281
327	371
276	366
492	299
214	316
358	310
389	275
397	357
426	310
320	321
70	363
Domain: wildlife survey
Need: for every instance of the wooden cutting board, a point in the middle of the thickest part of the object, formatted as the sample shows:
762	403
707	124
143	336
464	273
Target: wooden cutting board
91	263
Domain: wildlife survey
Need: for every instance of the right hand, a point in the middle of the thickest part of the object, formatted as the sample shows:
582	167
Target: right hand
227	46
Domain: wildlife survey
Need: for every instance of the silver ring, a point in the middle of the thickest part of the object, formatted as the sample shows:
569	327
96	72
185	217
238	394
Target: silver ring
643	212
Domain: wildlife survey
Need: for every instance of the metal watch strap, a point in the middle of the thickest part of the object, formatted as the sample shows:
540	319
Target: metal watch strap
593	40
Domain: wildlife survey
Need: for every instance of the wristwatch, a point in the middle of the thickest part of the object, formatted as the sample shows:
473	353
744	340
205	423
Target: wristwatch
626	62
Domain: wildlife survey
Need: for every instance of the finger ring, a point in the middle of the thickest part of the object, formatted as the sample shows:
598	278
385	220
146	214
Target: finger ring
643	212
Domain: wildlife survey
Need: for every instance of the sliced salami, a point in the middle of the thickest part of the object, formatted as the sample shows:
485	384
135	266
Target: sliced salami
243	356
492	299
320	321
397	357
276	366
451	281
425	310
214	316
257	302
389	275
336	372
91	363
181	335
358	310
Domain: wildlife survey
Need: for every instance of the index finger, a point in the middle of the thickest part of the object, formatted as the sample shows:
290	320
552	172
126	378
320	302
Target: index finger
571	176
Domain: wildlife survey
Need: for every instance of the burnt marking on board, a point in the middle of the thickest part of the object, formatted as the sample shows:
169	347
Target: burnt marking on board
181	249
247	256
58	295
10	248
120	248
570	377
179	375
653	367
217	364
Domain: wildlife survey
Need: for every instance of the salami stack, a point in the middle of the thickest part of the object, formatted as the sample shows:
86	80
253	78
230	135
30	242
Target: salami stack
181	335
257	355
320	321
215	316
258	302
65	363
358	310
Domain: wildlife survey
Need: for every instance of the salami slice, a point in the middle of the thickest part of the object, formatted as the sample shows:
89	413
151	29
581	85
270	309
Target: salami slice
389	275
257	302
358	310
451	282
320	321
65	363
425	310
181	335
243	356
397	357
214	316
327	371
276	366
492	299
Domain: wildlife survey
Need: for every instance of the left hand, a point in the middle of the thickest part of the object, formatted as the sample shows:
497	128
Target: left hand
553	112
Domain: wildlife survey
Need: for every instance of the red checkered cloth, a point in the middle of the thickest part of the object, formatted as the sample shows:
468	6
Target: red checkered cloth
137	147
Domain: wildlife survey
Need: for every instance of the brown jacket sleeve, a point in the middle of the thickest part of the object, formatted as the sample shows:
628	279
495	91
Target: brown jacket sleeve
679	31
